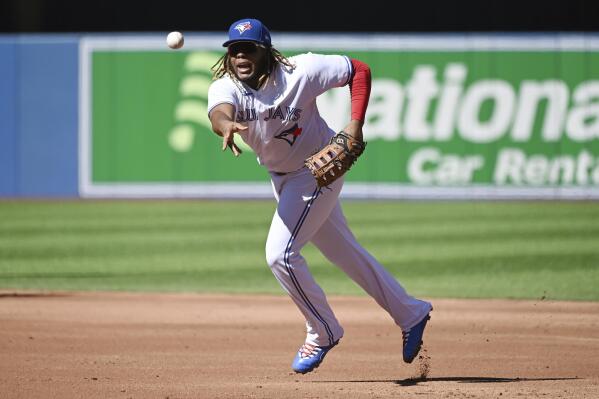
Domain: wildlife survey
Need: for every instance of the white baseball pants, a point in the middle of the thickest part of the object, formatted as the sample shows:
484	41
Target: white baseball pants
306	214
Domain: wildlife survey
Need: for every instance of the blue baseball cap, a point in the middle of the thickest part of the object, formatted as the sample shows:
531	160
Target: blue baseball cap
248	30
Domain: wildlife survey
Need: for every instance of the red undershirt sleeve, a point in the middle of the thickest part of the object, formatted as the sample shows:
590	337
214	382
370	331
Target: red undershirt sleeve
359	88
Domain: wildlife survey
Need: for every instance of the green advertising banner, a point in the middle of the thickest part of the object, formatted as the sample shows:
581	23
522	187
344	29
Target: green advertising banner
448	117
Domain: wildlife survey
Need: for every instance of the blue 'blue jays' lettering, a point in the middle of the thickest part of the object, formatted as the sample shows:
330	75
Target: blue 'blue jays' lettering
290	114
247	115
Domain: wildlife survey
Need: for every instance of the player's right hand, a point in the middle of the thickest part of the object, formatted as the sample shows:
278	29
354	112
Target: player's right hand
228	137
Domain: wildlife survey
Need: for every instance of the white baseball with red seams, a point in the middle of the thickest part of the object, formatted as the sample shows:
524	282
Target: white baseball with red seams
284	128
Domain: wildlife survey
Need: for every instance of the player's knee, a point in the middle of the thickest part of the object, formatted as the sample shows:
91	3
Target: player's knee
275	249
275	257
283	258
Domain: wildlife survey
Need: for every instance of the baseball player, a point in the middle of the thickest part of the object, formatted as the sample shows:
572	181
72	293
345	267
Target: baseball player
270	101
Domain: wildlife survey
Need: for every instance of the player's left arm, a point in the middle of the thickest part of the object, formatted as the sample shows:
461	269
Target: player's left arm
359	87
336	158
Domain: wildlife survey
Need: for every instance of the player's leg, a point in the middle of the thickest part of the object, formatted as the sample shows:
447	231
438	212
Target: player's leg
335	240
301	210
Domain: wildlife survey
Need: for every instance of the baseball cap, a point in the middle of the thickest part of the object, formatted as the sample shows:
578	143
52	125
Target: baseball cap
248	30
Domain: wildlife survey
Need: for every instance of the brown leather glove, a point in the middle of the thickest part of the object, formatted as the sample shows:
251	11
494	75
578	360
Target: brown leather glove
336	158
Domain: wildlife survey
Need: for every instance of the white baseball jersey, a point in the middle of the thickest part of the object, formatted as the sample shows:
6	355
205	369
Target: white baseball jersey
284	126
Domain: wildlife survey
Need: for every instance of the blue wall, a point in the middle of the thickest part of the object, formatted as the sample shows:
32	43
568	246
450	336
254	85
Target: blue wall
39	115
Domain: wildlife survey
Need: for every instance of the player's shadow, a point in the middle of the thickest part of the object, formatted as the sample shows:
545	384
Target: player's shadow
33	295
465	380
475	380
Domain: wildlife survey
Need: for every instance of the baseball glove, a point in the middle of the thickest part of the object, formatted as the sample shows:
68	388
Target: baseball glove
336	158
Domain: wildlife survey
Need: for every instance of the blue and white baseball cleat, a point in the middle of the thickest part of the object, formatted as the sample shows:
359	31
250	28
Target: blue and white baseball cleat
412	340
309	357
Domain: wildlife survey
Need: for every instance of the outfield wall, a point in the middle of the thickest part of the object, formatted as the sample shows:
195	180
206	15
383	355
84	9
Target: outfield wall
451	116
39	116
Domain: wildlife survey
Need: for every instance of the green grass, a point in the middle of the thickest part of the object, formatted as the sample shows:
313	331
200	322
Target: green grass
436	249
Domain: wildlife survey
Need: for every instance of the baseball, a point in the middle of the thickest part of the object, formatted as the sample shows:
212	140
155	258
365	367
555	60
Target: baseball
174	40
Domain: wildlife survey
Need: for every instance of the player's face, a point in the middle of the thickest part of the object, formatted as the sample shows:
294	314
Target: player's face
248	61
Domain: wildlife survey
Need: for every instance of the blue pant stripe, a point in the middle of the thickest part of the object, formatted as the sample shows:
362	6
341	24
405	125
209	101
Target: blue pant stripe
290	270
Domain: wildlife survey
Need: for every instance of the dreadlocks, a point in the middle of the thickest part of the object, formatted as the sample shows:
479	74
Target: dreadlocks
223	65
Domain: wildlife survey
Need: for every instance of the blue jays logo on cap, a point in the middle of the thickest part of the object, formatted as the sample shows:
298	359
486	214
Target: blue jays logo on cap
248	30
242	27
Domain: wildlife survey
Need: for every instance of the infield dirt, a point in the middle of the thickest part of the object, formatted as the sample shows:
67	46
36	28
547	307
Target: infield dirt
121	345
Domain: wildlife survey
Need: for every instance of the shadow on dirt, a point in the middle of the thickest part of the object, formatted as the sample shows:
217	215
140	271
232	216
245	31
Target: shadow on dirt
467	380
475	380
4	295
